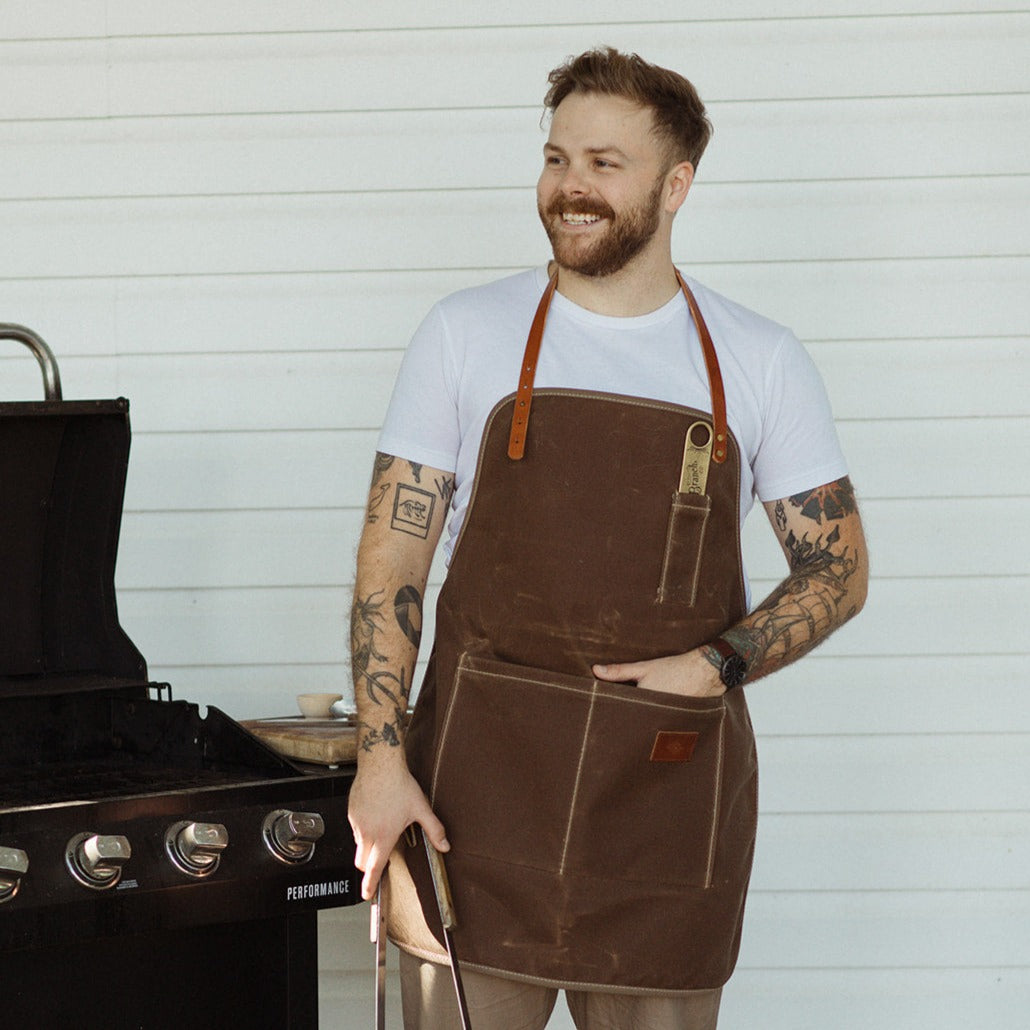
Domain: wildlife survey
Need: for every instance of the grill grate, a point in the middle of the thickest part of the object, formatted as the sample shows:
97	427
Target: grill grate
113	777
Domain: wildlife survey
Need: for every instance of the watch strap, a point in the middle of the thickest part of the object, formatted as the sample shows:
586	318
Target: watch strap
724	647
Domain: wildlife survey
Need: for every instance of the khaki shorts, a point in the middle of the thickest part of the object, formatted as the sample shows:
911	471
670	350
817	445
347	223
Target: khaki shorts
427	993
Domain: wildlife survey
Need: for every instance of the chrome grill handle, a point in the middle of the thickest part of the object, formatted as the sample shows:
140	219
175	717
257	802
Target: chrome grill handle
44	355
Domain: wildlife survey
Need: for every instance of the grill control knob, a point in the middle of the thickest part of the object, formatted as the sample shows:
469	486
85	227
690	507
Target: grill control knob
96	860
195	848
14	864
291	836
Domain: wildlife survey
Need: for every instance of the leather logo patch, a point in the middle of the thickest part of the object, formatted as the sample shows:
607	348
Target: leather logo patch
670	746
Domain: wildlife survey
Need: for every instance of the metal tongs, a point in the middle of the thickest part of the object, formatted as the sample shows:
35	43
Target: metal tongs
378	934
445	904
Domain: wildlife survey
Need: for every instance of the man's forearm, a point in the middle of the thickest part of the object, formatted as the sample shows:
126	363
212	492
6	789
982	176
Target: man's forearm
403	520
798	615
405	514
826	585
386	621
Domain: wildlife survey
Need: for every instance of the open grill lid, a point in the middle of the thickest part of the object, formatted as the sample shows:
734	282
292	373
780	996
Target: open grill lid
62	483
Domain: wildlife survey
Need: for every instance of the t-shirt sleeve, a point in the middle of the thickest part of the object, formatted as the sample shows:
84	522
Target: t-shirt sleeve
800	448
421	422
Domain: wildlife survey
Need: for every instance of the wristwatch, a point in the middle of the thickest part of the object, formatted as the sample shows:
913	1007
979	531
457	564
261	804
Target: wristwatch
733	670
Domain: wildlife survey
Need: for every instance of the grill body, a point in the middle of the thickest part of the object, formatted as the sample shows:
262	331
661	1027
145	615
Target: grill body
157	864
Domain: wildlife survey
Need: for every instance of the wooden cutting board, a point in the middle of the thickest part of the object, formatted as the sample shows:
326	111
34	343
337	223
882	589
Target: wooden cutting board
322	741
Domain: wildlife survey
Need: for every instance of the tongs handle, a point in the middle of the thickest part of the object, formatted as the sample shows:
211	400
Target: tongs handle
442	886
445	904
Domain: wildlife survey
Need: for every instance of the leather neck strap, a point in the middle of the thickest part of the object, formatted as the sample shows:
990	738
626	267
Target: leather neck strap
524	394
719	447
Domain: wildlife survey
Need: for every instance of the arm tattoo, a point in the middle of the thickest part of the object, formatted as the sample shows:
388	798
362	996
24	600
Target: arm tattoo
445	488
383	687
366	623
412	510
803	608
407	606
378	491
416	470
388	733
376	498
817	595
382	466
834	500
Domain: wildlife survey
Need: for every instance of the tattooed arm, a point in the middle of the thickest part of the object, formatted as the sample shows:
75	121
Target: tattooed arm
407	506
820	532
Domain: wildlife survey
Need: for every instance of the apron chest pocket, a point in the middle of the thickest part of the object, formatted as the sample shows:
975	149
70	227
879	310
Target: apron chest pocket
684	545
574	777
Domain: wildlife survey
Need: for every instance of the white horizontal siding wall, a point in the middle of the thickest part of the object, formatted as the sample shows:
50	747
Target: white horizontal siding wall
235	214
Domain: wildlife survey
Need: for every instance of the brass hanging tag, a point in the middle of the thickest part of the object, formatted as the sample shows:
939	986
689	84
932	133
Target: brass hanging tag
697	455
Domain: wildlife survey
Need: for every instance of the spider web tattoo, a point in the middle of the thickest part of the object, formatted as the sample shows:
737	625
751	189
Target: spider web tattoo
798	613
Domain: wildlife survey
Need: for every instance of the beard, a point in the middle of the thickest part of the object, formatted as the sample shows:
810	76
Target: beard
626	236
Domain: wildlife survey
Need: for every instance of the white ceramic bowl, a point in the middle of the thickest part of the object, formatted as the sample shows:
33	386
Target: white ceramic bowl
317	706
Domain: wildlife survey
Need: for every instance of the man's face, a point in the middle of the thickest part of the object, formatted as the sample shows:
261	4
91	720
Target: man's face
601	193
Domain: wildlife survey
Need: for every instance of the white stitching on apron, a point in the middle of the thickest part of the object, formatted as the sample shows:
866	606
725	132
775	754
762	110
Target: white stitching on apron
716	801
579	773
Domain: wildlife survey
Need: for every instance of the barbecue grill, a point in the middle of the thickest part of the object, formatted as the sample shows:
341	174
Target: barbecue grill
159	867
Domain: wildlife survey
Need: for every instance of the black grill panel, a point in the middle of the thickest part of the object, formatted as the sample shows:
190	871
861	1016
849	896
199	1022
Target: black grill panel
91	753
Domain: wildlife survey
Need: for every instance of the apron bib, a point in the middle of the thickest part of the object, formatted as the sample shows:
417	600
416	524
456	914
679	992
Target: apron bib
601	834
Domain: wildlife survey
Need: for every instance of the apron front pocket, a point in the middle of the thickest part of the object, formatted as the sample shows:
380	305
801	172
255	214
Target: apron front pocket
506	764
575	777
650	783
684	544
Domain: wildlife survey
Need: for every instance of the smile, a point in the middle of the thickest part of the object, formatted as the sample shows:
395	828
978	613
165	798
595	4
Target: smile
575	219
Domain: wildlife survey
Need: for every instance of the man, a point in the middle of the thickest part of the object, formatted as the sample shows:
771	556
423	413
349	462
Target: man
581	735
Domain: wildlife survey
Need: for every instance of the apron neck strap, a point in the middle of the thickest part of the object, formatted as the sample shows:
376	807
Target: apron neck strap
715	388
524	394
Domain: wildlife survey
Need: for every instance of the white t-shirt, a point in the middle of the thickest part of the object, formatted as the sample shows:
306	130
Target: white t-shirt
467	354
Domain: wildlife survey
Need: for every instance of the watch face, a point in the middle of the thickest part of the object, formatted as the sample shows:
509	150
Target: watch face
733	671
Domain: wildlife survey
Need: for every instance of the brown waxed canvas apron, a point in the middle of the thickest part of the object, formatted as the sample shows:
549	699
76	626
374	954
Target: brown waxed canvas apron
601	834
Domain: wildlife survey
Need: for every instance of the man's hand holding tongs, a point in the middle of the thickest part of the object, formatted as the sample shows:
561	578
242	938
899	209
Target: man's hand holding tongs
384	800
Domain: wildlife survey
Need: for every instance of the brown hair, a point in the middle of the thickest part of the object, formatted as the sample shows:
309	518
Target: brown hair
679	114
